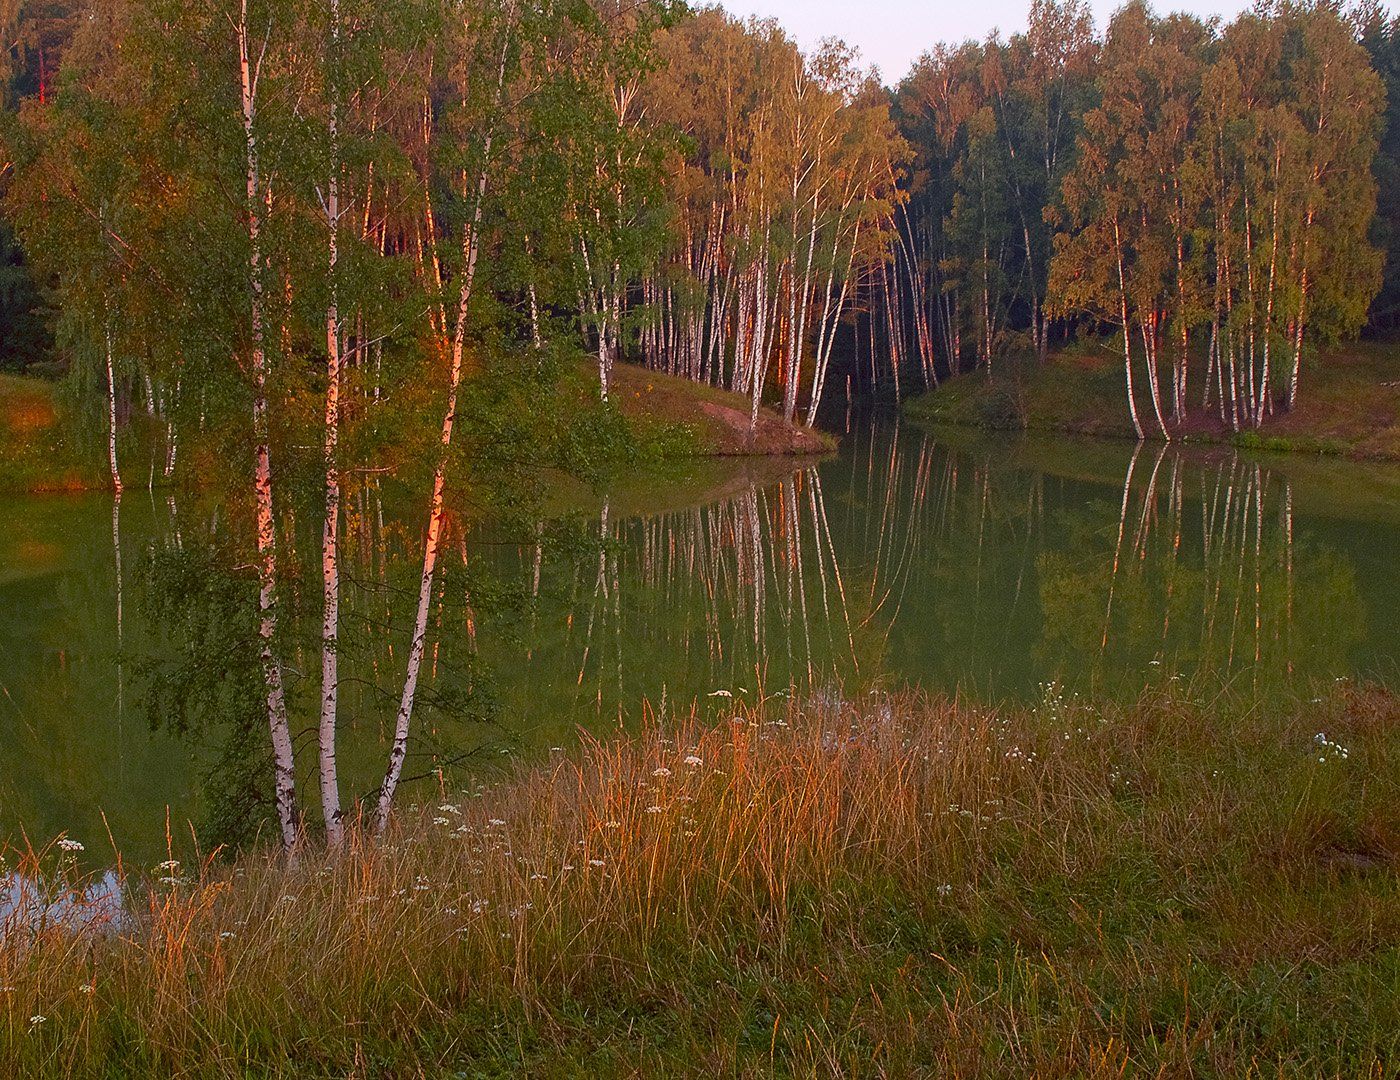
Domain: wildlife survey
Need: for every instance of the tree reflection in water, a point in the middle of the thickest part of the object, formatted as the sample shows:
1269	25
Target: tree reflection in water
992	567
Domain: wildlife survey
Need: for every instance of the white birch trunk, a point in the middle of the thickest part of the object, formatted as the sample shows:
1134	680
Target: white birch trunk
330	536
471	249
283	761
112	416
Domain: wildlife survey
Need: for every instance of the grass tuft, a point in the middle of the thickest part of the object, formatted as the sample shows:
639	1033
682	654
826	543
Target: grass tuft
897	885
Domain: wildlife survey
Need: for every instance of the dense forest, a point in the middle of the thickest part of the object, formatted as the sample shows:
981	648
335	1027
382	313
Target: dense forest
290	238
1206	191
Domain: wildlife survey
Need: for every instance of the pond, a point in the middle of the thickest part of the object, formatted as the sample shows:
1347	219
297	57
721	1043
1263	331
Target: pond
959	563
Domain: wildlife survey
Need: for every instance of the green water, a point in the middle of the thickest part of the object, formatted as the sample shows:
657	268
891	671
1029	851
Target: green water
987	566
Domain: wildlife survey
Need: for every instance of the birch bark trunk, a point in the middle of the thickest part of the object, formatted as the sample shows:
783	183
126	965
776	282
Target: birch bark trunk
112	416
471	248
1127	336
330	536
283	760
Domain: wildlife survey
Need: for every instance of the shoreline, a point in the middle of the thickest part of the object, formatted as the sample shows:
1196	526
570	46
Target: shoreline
672	422
1349	409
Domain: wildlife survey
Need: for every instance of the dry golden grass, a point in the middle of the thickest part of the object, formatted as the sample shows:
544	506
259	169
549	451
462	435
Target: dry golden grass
897	886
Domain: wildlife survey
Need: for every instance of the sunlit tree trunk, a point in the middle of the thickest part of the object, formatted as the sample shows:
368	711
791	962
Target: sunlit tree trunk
330	536
471	249
112	414
1127	335
283	762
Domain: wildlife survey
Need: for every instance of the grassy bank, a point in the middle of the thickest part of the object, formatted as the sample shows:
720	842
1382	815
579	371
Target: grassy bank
37	452
718	421
1349	404
44	447
894	887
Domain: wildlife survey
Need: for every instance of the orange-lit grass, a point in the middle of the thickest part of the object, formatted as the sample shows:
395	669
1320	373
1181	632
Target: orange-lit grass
893	885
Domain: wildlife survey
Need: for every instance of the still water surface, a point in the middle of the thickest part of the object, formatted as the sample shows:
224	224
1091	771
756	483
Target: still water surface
988	566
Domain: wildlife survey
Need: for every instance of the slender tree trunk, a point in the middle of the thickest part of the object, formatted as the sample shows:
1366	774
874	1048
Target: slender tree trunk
283	762
433	541
1265	391
1127	335
112	415
330	536
1150	339
1298	338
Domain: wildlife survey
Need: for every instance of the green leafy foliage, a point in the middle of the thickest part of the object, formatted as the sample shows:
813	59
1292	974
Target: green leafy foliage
206	683
25	339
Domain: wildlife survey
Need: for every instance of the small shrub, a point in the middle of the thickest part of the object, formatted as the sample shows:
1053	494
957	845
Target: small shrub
1003	408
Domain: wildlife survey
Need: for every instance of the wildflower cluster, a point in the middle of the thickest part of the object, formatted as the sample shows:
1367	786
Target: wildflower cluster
1327	750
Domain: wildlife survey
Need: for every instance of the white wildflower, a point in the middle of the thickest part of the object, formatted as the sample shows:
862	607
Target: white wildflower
70	845
1329	750
693	761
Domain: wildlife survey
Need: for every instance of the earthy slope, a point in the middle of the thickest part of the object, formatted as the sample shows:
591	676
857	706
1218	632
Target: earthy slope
717	419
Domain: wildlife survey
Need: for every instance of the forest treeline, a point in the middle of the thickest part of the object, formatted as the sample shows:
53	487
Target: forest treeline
683	189
295	232
1207	191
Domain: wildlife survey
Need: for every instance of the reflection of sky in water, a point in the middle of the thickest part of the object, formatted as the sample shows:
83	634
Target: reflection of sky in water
31	905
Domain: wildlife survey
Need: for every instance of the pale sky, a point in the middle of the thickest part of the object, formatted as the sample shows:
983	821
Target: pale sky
891	34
